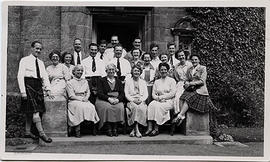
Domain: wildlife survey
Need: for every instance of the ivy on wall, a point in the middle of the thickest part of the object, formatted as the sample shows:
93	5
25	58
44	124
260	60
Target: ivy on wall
231	43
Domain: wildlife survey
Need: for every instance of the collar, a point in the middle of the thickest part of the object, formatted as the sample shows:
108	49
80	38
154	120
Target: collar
78	79
111	80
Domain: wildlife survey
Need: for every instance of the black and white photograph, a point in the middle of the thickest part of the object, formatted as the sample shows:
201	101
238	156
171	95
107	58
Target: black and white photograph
134	81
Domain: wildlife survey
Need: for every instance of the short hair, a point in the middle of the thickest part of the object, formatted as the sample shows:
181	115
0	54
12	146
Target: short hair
163	64
137	38
133	49
115	36
179	51
110	65
92	44
77	39
163	54
118	45
146	53
196	56
152	45
138	66
171	44
76	67
103	41
34	42
64	55
55	52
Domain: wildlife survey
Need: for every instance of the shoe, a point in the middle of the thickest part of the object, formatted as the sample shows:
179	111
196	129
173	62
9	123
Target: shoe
138	135
109	133
147	133
94	131
115	133
45	138
154	133
180	121
132	133
31	135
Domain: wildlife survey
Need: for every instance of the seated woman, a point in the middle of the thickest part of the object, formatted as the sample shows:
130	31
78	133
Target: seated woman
164	59
163	95
180	77
67	60
148	74
136	55
109	104
58	74
196	95
79	108
136	94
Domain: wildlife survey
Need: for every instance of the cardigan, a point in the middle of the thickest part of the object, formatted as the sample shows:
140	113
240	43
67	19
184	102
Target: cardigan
104	89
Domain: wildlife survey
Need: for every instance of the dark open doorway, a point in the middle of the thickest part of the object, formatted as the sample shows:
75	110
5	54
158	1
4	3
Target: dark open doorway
126	32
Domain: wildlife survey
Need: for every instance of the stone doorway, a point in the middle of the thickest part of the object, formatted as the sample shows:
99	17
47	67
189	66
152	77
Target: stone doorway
126	22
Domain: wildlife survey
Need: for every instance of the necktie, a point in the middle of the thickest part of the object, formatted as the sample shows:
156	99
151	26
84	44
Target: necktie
78	58
171	60
101	56
94	64
37	69
119	68
147	75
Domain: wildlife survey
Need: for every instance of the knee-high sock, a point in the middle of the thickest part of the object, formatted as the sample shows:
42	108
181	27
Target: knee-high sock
37	121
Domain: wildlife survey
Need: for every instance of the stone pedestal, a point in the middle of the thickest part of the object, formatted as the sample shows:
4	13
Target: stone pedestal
54	120
197	124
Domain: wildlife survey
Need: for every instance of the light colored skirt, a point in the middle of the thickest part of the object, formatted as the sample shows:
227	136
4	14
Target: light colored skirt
109	113
179	91
160	111
136	113
79	111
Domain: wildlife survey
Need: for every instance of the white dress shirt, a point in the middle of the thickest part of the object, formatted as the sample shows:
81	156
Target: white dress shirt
109	54
87	65
27	68
155	62
175	61
75	55
124	65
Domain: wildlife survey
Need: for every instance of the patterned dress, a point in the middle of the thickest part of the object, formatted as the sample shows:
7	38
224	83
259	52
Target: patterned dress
58	75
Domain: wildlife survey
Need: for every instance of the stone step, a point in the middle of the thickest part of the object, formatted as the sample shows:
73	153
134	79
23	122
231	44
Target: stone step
125	139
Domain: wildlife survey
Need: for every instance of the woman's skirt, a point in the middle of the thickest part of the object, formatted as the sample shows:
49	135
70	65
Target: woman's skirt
79	111
197	102
136	113
159	111
109	113
35	97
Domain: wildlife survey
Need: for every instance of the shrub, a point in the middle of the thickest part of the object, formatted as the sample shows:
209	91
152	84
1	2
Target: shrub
231	43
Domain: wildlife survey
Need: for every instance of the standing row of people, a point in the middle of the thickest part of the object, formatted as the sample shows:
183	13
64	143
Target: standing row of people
149	85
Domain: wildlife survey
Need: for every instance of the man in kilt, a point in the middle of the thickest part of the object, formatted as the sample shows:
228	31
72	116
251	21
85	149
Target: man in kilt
33	80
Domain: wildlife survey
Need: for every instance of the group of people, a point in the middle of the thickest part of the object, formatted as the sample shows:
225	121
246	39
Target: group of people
109	83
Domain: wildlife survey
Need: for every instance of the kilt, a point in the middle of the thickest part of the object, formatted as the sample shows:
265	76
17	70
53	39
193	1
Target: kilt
197	102
35	97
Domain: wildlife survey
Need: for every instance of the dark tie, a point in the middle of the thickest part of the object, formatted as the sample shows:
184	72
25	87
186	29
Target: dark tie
37	68
94	65
119	68
171	60
101	56
78	58
147	75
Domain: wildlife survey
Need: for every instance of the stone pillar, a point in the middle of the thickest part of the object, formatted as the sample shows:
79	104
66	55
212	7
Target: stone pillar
54	120
76	22
14	52
43	24
197	124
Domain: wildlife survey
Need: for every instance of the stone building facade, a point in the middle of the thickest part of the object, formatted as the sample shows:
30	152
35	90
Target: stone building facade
57	26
